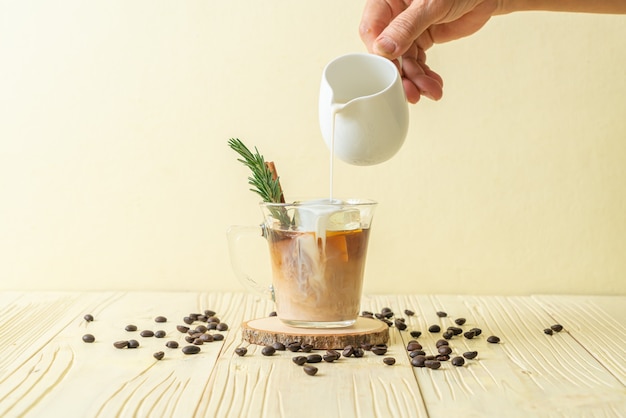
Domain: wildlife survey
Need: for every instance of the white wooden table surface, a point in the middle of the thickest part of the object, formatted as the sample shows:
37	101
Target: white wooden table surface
46	370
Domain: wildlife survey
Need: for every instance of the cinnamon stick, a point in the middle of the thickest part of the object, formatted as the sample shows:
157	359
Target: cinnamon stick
270	165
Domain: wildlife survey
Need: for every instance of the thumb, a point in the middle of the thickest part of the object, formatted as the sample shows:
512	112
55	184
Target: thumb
403	30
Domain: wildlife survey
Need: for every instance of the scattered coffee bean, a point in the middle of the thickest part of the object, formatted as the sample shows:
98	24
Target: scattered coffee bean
358	352
160	334
442	357
189	338
367	313
476	331
213	319
432	364
88	338
191	349
218	337
313	358
131	328
299	360
331	355
557	327
417	353
207	338
200	329
147	333
310	370
439	343
171	344
182	328
389	361
202	318
159	355
456	330
401	325
160	319
88	317
430	357
460	321
366	346
416	334
470	354
469	335
447	335
409	312
221	326
193	316
458	361
279	346
306	348
378	315
386	312
197	341
133	343
434	328
241	351
212	325
188	320
348	351
444	350
493	339
379	350
120	344
209	313
441	314
388	322
418	361
413	345
293	346
548	331
268	350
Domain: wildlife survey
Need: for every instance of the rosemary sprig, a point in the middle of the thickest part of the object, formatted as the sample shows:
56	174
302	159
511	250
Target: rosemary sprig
265	183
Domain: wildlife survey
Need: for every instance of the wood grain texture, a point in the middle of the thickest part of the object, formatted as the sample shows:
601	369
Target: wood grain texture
47	370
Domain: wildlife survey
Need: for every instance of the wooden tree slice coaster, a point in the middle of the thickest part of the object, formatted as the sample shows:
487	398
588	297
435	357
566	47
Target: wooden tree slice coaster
267	331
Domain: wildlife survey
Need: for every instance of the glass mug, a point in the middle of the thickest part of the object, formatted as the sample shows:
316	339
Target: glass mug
317	251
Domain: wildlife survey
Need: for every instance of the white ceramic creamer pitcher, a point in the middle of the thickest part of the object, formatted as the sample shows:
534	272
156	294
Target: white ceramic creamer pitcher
362	102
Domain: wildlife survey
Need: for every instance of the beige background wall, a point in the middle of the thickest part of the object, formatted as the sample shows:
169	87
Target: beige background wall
115	174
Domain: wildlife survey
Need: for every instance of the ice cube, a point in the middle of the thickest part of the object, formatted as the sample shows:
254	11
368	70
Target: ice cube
344	220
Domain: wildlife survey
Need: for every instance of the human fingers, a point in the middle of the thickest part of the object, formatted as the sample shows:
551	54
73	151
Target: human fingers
377	14
418	78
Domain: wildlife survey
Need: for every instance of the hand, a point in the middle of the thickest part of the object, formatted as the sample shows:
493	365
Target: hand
406	29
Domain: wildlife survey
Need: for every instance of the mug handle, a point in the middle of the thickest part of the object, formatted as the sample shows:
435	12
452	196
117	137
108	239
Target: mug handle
237	235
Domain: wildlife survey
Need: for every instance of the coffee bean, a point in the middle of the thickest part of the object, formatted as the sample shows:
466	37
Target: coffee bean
147	333
367	313
430	357
182	328
171	344
241	351
548	331
400	324
189	338
389	361
306	348
434	328
88	338
279	346
193	316
460	321
456	330
218	337
439	343
160	319
160	334
386	312
268	350
379	350
293	346
159	355
329	358
88	317
416	334
358	352
418	361
133	343
310	370
432	364
213	319
273	313
348	351
444	350
221	326
191	349
201	329
197	341
188	320
409	312
557	327
131	328
212	325
413	345
458	361
388	322
470	354
120	344
493	339
442	314
207	338
299	360
367	346
417	353
442	357
209	313
447	335
476	331
469	335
